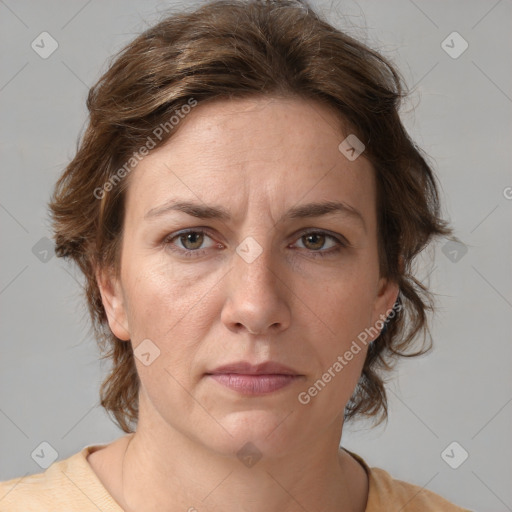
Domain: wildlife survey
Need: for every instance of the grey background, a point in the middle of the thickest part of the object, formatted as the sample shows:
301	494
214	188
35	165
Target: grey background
459	112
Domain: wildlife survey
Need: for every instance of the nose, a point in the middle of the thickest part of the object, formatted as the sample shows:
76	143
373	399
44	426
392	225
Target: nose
257	298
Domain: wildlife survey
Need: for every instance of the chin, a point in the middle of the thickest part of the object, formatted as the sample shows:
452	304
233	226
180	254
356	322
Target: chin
270	432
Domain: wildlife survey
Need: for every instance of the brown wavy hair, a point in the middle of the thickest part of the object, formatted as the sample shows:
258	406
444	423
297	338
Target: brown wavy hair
237	49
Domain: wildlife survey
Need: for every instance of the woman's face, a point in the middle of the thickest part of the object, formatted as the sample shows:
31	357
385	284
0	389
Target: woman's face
259	278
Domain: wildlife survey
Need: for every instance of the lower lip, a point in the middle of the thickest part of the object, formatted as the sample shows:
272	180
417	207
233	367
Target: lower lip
253	384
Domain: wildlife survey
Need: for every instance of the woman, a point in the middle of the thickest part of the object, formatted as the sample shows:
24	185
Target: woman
245	206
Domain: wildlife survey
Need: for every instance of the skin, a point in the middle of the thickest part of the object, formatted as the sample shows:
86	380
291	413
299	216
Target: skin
257	158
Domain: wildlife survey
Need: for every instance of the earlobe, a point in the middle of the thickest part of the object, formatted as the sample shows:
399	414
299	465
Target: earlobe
113	302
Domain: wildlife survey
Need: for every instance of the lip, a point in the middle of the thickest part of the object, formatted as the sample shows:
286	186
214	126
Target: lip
249	379
246	368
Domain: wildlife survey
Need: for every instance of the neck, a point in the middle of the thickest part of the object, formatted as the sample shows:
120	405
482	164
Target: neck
171	472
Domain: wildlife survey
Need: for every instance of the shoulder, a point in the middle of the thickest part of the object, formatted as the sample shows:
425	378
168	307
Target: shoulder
388	490
385	491
38	491
69	483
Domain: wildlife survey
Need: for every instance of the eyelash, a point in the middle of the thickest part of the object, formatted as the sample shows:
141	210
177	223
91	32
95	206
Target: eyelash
341	244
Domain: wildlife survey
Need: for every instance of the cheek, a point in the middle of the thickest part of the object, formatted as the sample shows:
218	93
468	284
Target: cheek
346	311
345	314
166	302
347	306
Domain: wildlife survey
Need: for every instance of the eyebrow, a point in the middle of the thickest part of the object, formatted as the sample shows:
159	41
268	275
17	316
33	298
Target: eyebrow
297	212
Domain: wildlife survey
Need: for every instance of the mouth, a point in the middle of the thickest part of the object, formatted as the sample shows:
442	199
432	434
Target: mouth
254	384
249	379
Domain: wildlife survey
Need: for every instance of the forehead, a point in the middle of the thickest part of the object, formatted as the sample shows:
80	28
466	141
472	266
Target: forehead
247	127
270	150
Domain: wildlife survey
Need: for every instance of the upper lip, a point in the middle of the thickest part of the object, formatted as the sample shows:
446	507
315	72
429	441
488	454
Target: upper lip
246	368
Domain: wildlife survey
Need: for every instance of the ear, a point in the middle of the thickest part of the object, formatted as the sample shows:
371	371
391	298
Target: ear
386	298
114	303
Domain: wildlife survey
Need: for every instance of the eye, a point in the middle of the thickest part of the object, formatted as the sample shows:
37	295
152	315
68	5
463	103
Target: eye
315	242
189	242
